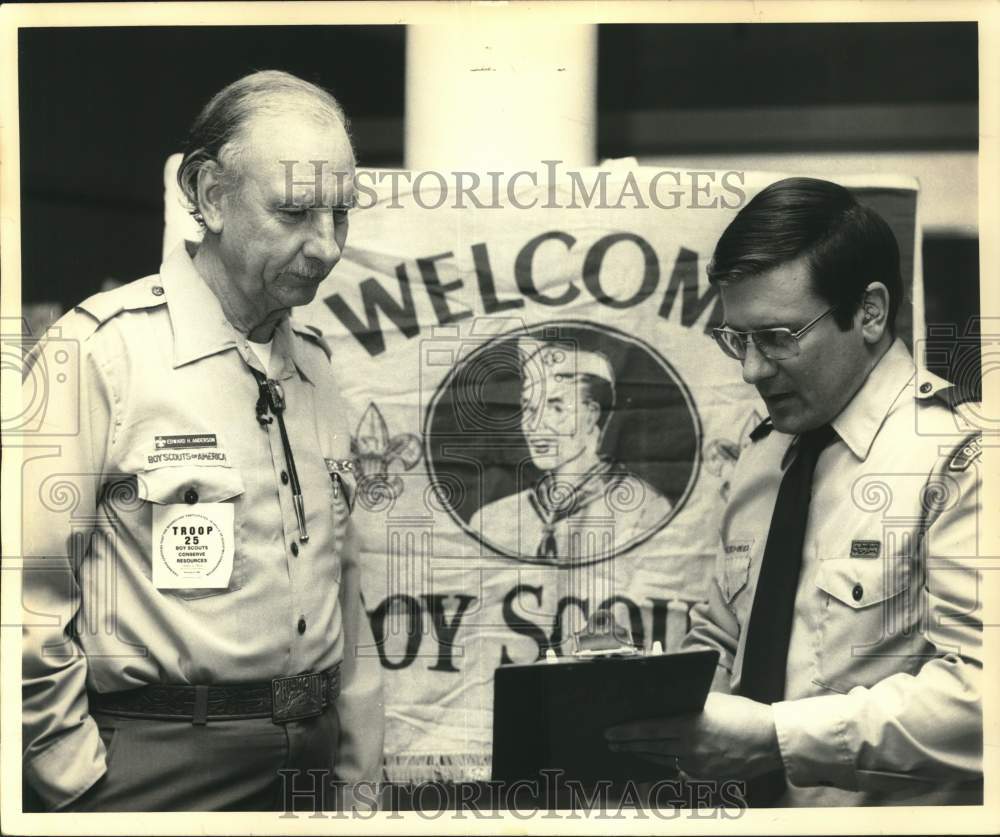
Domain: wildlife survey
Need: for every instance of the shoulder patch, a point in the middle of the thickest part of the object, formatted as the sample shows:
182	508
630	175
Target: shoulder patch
142	293
313	334
967	453
761	430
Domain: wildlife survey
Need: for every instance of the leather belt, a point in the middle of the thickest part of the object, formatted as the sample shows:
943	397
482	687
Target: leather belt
282	699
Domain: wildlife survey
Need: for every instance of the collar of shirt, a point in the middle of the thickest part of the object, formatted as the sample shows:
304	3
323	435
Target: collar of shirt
859	422
555	500
201	329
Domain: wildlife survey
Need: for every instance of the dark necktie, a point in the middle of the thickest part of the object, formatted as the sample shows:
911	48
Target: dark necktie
765	656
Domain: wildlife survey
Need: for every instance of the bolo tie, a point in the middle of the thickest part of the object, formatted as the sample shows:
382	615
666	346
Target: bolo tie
272	398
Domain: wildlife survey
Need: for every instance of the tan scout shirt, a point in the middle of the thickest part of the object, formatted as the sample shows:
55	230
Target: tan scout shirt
159	409
884	664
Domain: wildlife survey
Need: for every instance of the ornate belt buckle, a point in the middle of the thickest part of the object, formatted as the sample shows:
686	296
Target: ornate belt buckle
297	697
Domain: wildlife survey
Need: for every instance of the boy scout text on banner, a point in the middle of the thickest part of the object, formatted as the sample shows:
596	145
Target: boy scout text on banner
542	425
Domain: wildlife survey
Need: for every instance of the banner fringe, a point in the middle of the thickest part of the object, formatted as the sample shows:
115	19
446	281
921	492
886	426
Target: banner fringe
414	769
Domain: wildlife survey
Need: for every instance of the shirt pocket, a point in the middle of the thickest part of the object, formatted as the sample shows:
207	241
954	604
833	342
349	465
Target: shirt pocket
733	569
867	622
191	486
343	491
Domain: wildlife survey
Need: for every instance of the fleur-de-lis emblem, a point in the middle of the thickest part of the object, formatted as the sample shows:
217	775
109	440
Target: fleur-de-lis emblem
721	454
375	450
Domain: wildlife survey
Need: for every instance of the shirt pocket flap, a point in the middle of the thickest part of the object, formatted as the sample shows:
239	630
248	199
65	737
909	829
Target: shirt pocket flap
860	583
733	574
189	484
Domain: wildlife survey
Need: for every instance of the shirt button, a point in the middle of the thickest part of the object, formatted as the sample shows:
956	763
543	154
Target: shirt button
302	626
284	477
295	549
190	496
157	290
857	592
925	387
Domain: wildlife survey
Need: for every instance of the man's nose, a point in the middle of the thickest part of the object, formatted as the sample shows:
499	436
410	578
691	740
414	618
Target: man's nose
322	244
551	426
756	367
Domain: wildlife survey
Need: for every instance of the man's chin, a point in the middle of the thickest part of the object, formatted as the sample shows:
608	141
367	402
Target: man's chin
544	463
793	423
294	296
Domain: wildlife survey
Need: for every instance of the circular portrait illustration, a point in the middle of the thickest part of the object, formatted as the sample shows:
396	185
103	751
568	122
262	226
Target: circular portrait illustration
569	442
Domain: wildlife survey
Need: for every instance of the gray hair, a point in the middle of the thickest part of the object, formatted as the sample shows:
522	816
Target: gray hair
218	131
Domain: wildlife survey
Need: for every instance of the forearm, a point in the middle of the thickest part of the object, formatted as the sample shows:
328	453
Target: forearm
62	751
714	628
926	728
361	705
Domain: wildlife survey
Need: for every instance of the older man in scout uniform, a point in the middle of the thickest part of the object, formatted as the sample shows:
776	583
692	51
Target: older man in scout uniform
194	621
846	600
585	506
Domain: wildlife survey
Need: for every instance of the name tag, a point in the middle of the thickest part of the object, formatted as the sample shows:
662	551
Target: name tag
865	549
193	546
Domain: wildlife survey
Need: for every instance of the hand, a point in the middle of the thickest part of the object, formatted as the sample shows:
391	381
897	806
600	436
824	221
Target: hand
733	737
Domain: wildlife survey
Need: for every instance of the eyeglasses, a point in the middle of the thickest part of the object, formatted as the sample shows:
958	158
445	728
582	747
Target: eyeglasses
774	343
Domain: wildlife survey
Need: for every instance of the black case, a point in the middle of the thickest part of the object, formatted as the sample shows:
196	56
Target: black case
553	715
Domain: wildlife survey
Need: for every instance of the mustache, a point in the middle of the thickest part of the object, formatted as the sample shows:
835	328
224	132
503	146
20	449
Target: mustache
313	273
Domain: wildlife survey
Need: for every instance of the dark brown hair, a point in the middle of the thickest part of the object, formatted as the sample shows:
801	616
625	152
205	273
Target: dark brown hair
847	245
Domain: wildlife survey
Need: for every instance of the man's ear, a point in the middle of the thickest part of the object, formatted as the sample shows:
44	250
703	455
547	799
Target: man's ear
211	193
875	312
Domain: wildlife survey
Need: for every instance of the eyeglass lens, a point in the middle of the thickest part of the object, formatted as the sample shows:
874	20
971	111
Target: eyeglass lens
776	344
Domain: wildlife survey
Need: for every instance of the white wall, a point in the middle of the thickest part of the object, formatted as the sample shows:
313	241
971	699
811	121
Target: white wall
948	179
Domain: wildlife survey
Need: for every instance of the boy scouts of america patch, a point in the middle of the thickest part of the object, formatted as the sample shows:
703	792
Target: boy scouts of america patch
966	455
186	447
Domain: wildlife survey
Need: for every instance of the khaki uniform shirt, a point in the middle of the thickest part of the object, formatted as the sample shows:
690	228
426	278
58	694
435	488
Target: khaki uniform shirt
883	700
155	405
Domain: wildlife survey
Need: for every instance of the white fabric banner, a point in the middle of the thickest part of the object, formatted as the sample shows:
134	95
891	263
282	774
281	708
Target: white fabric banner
542	425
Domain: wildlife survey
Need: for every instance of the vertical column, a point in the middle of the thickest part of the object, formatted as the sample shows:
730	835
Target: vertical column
500	95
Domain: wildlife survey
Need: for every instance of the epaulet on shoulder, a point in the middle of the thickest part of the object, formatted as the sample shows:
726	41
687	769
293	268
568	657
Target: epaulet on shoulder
933	389
142	293
960	401
955	395
312	334
761	430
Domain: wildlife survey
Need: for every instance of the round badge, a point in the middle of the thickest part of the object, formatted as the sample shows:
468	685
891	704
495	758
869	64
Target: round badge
570	441
192	546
